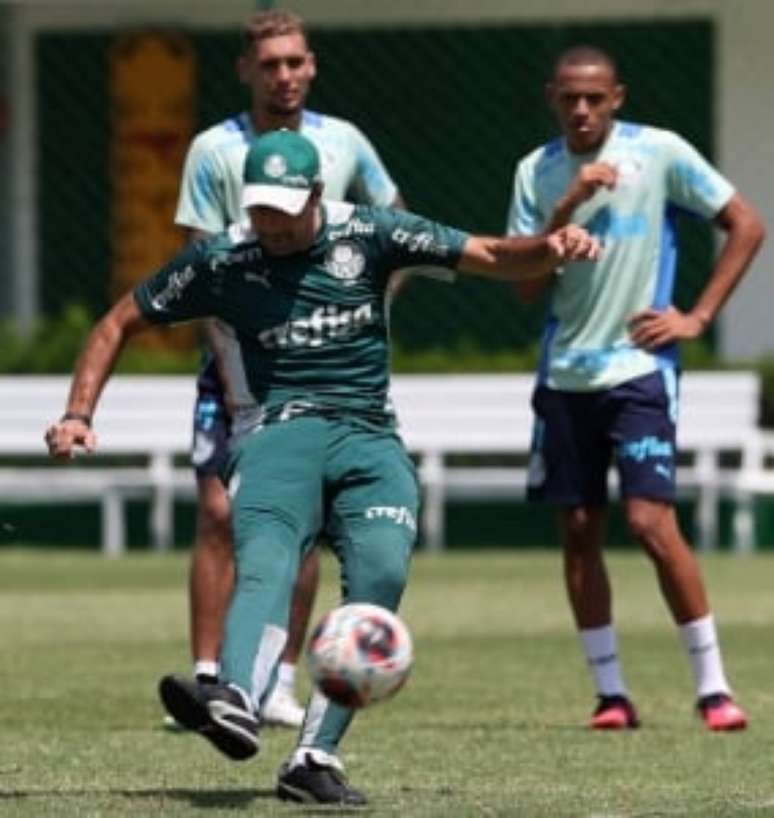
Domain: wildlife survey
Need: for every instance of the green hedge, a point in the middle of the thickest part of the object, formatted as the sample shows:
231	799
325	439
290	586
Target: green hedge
53	345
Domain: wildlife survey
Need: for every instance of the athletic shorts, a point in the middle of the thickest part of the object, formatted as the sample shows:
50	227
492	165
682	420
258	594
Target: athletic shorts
314	473
211	433
577	435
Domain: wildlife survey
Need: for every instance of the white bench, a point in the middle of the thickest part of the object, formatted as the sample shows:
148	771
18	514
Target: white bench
447	415
484	418
719	414
142	419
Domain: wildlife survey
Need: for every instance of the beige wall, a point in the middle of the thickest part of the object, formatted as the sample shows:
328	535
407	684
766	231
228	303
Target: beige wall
745	128
6	282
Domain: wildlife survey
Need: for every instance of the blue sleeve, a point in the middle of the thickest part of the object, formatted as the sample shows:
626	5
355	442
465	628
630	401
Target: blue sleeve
201	204
372	185
691	181
524	216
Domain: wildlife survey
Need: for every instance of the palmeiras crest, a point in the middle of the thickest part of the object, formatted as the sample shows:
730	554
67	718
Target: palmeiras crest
346	261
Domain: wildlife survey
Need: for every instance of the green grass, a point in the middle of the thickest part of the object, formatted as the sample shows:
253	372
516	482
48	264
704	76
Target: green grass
490	724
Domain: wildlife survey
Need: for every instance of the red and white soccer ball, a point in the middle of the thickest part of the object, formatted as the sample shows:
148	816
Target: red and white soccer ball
360	654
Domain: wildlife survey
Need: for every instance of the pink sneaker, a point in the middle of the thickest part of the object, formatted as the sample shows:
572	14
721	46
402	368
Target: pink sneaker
720	713
614	713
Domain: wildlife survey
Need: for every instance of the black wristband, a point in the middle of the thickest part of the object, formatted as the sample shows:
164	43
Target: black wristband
84	419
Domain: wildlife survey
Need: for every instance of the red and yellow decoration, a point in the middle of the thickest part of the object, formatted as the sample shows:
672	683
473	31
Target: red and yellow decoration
152	98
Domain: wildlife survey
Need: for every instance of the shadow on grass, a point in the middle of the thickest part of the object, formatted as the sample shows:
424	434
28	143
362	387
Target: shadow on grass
196	798
203	799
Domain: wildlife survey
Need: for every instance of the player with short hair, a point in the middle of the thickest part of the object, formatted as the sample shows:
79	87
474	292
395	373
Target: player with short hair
608	383
278	66
302	290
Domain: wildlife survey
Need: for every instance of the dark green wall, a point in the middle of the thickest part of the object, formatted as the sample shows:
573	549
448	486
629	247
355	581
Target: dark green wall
450	109
468	525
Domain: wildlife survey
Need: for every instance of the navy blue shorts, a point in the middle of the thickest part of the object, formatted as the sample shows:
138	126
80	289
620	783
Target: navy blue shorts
578	434
211	434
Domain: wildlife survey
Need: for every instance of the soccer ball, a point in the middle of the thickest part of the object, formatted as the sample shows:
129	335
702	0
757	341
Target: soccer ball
359	654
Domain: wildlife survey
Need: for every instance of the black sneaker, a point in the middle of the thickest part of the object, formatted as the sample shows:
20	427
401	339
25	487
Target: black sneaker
313	783
172	725
218	712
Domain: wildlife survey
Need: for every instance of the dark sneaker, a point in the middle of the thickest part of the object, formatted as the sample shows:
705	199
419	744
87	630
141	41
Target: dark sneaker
720	713
172	725
614	713
219	712
315	783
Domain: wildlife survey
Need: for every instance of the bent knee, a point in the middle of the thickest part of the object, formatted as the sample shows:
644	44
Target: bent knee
214	508
582	527
378	569
654	526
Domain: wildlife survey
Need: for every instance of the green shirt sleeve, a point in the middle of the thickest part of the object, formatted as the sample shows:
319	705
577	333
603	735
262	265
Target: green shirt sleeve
180	290
408	240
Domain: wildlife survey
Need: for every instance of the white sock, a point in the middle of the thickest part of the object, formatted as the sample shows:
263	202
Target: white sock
601	648
269	651
206	667
286	675
701	643
299	758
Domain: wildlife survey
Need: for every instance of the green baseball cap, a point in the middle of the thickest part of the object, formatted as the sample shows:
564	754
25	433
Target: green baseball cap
281	169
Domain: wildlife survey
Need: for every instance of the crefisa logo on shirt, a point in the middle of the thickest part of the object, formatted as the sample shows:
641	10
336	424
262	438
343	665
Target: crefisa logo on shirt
173	290
345	261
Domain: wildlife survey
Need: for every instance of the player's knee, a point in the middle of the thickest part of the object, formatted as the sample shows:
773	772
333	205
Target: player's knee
384	588
581	529
647	527
391	584
381	570
213	511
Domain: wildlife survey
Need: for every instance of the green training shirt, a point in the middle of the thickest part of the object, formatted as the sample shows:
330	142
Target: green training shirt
306	332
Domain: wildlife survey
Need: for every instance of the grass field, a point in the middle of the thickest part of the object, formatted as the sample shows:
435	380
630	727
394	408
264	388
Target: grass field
490	724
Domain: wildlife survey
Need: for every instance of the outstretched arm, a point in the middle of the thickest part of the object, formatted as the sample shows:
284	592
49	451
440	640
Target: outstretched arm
525	257
92	370
745	233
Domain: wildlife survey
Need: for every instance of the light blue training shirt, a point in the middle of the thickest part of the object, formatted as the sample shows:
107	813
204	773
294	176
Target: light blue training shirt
586	344
212	177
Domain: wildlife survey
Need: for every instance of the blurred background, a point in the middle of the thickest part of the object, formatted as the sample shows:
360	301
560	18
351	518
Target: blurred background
99	100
